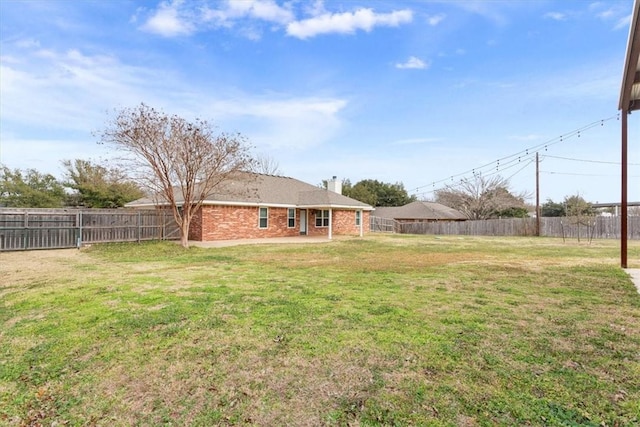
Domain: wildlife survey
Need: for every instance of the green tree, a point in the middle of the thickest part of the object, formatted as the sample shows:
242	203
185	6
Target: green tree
30	189
552	209
98	186
513	212
376	193
363	193
347	186
578	206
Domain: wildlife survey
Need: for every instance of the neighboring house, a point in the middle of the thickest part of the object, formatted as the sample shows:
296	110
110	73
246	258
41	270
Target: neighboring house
257	206
420	212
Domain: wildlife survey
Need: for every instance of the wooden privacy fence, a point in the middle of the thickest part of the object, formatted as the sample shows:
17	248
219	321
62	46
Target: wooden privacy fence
489	227
383	224
566	227
22	229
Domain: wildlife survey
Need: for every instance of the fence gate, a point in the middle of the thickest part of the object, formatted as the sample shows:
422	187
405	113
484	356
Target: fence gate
383	224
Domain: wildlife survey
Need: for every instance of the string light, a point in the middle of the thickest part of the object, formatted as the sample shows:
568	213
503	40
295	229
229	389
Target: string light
508	162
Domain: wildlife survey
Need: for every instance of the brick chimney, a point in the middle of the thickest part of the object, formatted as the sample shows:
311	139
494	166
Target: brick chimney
334	185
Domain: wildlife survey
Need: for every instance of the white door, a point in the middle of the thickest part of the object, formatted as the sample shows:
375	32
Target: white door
303	221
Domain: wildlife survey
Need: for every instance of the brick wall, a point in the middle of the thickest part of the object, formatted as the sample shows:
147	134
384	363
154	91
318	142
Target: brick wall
344	222
195	228
238	222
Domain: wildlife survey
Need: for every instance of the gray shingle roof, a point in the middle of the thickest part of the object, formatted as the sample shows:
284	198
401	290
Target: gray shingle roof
419	211
270	190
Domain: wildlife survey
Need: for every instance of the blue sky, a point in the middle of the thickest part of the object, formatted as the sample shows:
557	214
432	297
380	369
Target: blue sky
420	92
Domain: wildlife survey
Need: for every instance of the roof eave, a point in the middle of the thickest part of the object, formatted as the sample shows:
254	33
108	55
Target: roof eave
333	206
256	204
631	76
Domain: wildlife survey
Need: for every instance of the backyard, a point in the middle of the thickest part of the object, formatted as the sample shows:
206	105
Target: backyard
376	331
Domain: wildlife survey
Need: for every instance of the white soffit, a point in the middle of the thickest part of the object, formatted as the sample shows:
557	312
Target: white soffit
630	90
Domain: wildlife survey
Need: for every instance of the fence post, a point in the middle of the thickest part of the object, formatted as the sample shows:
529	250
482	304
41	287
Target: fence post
139	226
79	228
25	235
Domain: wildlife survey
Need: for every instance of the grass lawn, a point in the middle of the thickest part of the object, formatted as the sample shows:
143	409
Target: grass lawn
379	331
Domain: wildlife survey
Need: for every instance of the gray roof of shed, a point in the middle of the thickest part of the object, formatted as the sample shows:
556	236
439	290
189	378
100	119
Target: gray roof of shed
254	189
420	211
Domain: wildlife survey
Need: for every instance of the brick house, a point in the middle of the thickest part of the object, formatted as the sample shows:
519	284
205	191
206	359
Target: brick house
420	212
254	206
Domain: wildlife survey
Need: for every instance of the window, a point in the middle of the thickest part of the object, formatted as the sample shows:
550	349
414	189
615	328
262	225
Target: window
322	218
291	220
264	218
358	218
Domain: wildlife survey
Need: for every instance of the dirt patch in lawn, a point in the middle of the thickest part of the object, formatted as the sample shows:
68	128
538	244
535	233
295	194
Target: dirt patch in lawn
25	267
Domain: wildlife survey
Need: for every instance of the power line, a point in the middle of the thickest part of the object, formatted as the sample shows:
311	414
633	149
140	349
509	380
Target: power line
460	182
520	170
513	160
579	174
588	161
574	174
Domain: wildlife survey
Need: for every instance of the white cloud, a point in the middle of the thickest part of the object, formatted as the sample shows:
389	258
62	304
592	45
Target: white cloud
434	20
556	16
316	8
72	93
264	10
45	155
347	22
606	14
292	123
611	12
623	22
167	21
69	90
177	17
413	63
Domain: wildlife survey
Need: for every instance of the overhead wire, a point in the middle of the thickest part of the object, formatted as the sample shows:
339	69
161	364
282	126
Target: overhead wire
576	174
510	161
588	161
461	181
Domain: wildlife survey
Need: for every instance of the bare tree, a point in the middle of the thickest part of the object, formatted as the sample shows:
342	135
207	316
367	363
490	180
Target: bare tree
178	161
267	165
480	197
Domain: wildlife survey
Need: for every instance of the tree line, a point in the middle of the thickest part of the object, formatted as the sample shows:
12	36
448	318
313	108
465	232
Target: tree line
92	185
179	162
85	184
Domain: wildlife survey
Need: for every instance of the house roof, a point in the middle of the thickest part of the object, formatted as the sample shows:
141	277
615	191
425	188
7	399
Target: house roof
252	189
630	89
420	211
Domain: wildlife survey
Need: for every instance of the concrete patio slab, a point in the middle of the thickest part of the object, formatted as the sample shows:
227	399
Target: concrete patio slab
270	241
634	273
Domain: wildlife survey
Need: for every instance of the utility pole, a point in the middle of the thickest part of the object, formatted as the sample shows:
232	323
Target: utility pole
537	195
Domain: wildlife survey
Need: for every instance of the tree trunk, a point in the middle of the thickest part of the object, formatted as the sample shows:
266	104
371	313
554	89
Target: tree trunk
184	233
